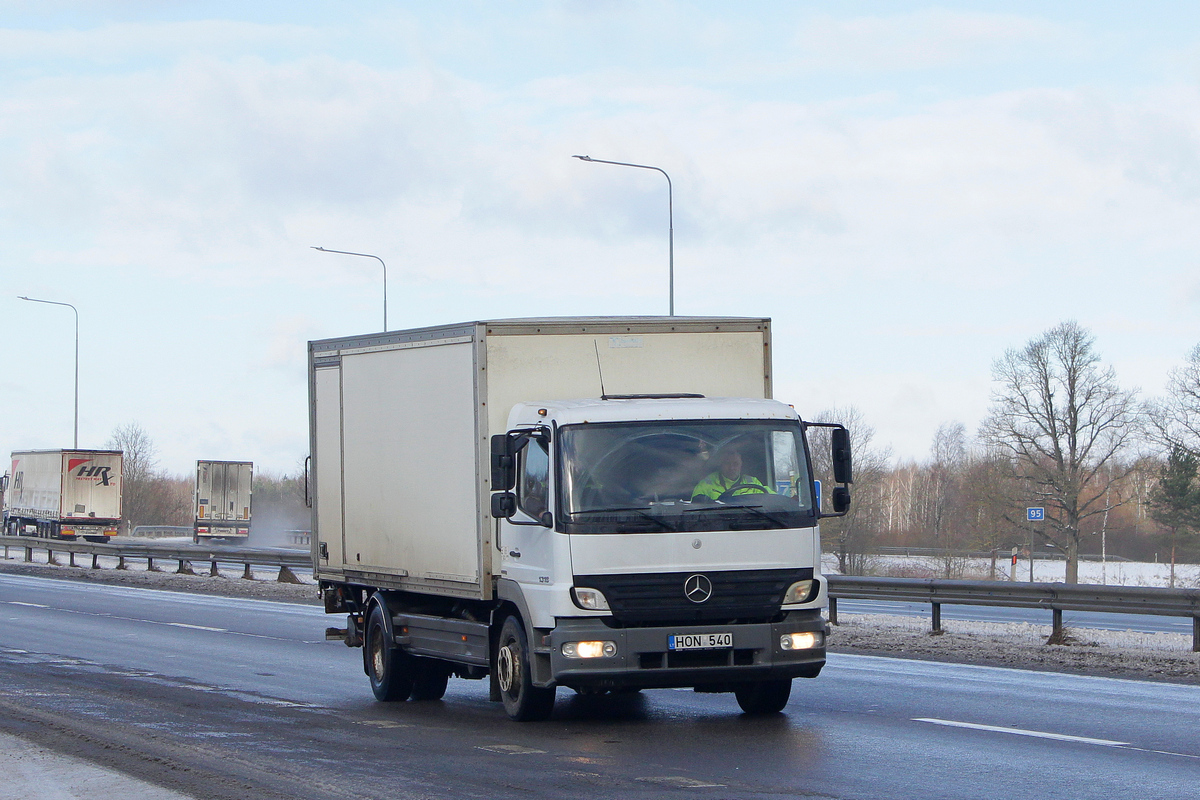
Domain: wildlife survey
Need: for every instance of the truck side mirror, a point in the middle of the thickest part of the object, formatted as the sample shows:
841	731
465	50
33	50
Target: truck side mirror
504	465
841	500
504	505
843	471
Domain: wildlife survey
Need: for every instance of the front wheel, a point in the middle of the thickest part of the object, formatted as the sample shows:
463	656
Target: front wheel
388	667
764	697
523	701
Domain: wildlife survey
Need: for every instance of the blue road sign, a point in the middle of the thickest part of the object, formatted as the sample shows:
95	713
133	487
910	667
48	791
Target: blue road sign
1035	514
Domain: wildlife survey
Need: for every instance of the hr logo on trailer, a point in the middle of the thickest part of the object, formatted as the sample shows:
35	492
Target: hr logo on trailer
96	472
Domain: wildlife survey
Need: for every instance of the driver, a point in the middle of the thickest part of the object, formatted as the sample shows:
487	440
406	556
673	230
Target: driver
728	480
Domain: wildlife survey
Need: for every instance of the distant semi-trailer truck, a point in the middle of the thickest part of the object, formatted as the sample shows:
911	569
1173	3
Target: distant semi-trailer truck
602	504
64	494
223	500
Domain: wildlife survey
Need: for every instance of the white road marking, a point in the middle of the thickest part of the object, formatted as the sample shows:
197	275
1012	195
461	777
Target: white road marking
1062	737
509	749
107	615
682	783
198	627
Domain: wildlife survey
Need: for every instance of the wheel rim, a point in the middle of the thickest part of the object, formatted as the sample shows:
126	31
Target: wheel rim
376	657
506	668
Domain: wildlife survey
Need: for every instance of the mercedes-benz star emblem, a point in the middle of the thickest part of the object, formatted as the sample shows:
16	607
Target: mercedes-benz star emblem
697	588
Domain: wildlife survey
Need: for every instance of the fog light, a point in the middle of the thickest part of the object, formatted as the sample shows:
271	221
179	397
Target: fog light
801	641
798	592
590	599
589	649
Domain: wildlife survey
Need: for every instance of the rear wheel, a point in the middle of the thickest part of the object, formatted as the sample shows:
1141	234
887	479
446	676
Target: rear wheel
388	667
523	701
430	677
764	697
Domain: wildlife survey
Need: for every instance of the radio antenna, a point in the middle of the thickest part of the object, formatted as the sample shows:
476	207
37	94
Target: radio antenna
603	394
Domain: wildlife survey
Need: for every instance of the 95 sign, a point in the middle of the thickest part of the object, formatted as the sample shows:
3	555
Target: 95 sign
1035	514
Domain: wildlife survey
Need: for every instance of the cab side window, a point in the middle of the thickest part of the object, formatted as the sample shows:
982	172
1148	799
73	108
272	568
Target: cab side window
533	479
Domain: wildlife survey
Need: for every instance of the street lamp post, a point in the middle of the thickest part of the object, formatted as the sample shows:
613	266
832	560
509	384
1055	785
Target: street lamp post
68	305
366	255
670	219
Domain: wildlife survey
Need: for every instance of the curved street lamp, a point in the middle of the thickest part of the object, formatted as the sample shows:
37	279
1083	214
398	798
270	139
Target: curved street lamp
670	218
366	255
68	305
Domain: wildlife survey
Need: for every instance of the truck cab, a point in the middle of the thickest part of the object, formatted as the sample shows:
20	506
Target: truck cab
662	542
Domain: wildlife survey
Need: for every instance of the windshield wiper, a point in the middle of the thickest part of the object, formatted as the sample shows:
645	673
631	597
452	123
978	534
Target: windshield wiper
636	509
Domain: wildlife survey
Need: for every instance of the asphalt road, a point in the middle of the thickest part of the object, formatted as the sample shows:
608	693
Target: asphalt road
1147	623
227	698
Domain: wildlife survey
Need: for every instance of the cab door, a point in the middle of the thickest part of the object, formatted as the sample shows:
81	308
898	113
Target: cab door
527	540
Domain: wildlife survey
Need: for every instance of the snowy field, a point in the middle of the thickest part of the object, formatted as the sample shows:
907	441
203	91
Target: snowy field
1114	573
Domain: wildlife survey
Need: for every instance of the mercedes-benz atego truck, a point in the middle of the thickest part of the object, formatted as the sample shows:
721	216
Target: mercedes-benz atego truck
600	504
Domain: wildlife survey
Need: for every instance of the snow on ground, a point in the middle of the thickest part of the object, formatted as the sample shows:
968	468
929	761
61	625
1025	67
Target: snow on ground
1114	573
1130	654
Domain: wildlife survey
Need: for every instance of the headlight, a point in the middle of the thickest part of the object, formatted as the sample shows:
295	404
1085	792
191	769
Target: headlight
590	599
589	649
798	592
801	641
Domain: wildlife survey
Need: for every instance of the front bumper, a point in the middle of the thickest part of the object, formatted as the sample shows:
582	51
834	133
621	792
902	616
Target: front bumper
644	661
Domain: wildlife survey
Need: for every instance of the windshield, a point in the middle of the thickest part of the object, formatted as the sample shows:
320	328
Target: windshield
684	475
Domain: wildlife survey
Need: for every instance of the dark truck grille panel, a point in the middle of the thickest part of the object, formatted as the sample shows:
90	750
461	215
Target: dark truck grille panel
658	598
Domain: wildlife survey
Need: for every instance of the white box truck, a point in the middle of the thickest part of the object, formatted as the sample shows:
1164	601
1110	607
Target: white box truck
603	504
64	494
222	500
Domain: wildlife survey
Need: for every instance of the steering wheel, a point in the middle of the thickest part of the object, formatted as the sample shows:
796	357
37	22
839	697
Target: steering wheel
744	488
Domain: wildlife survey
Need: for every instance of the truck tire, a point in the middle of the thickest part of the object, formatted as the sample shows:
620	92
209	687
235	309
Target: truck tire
388	667
764	697
523	701
430	676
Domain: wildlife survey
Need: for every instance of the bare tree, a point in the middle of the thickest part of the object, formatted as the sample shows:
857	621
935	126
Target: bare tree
854	532
149	496
948	455
1064	420
1174	420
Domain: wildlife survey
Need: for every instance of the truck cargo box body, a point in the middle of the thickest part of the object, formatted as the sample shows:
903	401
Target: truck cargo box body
223	499
65	492
400	425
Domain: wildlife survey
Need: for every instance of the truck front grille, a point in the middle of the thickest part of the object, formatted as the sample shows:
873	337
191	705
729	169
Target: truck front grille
658	598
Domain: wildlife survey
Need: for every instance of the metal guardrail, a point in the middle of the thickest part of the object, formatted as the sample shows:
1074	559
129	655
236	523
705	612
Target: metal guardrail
1001	553
1055	597
184	554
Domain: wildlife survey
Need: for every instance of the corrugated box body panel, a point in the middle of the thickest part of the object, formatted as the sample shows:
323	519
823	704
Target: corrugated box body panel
65	484
400	426
223	491
395	463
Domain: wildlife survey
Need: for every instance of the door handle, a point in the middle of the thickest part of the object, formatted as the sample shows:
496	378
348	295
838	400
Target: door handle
515	553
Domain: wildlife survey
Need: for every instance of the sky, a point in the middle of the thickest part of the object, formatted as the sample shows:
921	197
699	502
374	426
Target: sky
908	190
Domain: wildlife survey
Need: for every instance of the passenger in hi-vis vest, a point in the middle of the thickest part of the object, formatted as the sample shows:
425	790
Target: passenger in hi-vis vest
728	481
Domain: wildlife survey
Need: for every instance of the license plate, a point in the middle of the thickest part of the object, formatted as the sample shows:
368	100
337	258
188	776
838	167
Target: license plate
699	641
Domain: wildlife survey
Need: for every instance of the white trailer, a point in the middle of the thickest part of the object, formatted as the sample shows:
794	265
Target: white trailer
518	499
222	500
64	494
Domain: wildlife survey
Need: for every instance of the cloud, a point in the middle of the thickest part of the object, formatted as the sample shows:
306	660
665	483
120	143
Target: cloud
926	39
